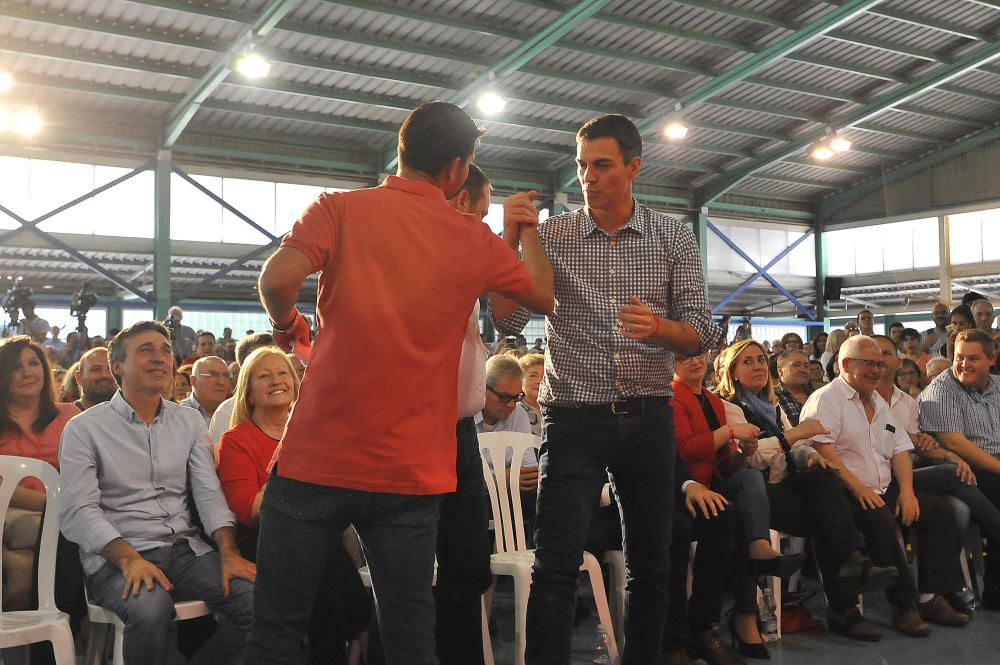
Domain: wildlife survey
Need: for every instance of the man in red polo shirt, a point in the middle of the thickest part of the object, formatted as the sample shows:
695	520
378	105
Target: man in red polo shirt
371	439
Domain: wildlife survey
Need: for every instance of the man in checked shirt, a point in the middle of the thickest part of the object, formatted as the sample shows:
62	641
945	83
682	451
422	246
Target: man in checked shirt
629	295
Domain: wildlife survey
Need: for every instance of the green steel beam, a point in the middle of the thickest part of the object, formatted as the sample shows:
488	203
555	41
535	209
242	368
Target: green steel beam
892	131
980	56
648	126
934	24
864	70
843	168
840	201
888	47
161	234
734	75
939	115
822	269
525	52
805	182
188	106
761	211
748	14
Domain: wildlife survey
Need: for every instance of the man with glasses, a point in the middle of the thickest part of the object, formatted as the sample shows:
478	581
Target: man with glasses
210	386
500	414
871	452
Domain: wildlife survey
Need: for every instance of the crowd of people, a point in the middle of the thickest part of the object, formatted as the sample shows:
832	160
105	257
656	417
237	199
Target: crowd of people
230	471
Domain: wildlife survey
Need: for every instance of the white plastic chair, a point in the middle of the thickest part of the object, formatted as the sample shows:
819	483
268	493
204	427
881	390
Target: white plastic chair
616	593
47	623
512	558
101	617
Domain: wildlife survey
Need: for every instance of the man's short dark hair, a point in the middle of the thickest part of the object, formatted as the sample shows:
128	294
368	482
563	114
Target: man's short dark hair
785	357
203	333
116	349
475	182
251	343
963	310
977	336
617	127
896	324
864	311
434	134
886	338
911	333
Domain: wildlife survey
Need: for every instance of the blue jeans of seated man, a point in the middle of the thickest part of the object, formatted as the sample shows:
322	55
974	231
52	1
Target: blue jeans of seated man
300	523
942	479
149	617
580	447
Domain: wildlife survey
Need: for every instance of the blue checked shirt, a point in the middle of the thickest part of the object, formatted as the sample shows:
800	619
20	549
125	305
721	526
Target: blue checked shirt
948	406
654	257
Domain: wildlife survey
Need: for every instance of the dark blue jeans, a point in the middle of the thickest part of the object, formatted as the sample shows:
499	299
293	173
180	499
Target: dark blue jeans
580	447
149	617
301	524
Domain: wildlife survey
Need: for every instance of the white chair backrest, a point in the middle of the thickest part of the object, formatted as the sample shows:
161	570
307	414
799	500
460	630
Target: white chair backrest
12	471
504	488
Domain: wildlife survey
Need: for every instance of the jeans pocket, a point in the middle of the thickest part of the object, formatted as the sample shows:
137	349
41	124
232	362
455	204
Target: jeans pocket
296	499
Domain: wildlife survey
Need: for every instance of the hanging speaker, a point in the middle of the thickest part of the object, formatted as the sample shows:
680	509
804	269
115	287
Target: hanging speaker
832	285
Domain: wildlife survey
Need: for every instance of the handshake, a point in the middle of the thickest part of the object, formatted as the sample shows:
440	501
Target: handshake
519	215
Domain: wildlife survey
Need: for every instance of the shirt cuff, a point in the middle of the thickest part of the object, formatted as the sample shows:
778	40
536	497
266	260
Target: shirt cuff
685	484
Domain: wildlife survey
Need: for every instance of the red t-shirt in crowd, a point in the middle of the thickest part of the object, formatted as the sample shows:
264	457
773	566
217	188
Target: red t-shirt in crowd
399	273
43	445
244	454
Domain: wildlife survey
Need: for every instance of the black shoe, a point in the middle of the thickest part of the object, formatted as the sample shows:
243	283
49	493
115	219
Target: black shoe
783	566
758	651
859	575
853	625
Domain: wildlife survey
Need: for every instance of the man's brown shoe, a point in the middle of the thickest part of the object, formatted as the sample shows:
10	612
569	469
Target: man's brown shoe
678	657
853	625
908	621
708	646
938	610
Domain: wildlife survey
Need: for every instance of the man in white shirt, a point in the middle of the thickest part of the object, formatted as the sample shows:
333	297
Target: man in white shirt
210	386
871	451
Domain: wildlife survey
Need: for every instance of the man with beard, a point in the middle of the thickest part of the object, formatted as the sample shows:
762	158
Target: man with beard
94	378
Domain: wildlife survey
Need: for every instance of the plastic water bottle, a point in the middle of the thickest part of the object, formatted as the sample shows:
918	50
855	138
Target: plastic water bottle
601	656
768	617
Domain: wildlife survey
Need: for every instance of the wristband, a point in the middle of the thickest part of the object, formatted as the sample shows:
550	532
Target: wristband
656	326
732	433
288	326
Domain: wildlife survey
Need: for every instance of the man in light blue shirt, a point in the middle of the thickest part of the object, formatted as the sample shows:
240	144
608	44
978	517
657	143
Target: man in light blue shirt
130	469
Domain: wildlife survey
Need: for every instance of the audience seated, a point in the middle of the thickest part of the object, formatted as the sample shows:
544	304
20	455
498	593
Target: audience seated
983	315
870	451
94	379
866	323
817	375
961	319
793	387
803	492
715	453
911	347
895	333
961	408
833	342
204	346
267	387
935	366
31	424
907	376
68	390
133	469
936	338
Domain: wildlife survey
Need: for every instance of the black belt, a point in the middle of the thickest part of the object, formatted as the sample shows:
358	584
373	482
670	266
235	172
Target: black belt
632	406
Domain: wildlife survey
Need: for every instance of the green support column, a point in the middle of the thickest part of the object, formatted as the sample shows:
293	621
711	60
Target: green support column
821	268
700	228
115	317
161	235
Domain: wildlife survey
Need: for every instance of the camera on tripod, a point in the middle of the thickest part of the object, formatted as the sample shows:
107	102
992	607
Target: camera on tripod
17	297
83	301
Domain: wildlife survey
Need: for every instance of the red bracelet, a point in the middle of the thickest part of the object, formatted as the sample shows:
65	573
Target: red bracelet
656	326
732	433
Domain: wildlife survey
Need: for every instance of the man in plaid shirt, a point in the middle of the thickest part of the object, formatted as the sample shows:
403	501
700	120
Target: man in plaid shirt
629	294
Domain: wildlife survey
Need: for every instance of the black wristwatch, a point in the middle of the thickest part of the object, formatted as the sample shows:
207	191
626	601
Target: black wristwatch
285	328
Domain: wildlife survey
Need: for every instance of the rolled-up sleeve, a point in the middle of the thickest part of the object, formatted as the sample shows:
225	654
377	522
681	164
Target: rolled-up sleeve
513	324
686	297
205	486
81	518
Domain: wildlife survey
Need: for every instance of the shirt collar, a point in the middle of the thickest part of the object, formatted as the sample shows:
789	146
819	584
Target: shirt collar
411	186
991	385
848	391
589	227
125	410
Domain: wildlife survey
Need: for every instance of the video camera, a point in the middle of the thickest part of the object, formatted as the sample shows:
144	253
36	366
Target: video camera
83	301
14	300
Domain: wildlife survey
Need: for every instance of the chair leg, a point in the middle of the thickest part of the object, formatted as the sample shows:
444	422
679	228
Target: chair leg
119	654
775	582
593	569
522	587
97	644
62	644
487	642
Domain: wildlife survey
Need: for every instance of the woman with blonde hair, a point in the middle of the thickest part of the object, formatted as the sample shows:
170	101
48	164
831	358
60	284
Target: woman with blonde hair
805	495
266	390
833	342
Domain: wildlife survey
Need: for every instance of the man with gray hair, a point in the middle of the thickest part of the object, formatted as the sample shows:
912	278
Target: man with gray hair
870	451
181	336
935	366
210	386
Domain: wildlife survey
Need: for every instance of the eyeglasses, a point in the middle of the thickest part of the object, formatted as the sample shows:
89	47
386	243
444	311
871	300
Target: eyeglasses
506	398
871	364
680	360
214	375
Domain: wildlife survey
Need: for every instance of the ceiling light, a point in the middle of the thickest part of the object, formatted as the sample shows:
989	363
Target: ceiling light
490	103
840	144
28	122
822	152
6	81
676	130
253	66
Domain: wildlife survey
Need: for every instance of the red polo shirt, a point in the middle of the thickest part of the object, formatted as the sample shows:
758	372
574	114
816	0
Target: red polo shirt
399	273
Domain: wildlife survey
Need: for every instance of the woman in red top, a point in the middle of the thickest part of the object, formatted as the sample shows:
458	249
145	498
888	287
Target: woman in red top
31	425
715	453
266	389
